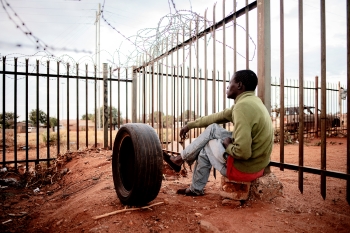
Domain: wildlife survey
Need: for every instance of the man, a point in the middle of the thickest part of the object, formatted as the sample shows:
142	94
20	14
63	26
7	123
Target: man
247	149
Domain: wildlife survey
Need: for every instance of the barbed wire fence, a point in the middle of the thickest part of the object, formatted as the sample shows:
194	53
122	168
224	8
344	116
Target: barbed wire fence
146	41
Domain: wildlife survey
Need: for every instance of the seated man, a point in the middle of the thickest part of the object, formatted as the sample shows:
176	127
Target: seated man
247	149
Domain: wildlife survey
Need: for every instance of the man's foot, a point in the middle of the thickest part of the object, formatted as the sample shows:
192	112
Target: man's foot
187	192
177	160
168	159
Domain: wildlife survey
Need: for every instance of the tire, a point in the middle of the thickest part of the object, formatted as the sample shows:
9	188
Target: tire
137	164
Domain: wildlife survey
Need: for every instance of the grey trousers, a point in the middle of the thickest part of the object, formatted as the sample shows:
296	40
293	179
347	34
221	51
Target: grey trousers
207	150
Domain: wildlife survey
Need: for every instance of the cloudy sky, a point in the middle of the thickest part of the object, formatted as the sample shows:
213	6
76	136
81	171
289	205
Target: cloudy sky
68	28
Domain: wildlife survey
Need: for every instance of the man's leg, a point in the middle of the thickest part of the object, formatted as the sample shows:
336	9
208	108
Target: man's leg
210	155
213	131
200	173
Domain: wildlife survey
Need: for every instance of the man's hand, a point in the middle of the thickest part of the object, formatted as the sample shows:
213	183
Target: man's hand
184	131
226	142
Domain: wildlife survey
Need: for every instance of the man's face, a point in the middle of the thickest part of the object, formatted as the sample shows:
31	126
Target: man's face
233	88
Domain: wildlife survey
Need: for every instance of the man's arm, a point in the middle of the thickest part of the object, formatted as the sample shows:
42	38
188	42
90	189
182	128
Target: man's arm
220	117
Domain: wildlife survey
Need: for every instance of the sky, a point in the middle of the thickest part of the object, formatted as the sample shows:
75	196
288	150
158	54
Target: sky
68	28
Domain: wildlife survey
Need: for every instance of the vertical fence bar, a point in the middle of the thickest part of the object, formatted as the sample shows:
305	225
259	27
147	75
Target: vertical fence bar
189	103
197	73
150	96
323	98
167	95
110	107
134	92
173	91
95	105
182	98
144	95
281	113
316	107
105	106
68	121
160	100
58	109
152	93
3	110
206	67
347	99
15	115
86	107
264	53
77	65
127	97
247	35
48	125
176	114
234	38
37	112
223	58
26	117
301	97
183	79
159	106
119	97
214	62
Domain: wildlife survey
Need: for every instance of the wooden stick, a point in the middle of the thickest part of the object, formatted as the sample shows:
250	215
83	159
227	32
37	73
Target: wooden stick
125	210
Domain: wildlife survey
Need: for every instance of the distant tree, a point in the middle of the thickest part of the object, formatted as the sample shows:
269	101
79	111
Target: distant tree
155	117
9	119
53	122
115	117
168	121
42	116
188	115
90	116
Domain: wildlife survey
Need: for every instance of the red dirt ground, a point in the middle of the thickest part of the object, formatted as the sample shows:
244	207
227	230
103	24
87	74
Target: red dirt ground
88	191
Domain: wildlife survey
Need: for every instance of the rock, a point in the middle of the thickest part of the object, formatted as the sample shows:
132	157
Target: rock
9	182
64	171
101	228
207	227
266	188
198	214
229	202
234	190
24	196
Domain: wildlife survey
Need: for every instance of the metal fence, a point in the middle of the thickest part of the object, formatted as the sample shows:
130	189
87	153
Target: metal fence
336	122
171	81
33	141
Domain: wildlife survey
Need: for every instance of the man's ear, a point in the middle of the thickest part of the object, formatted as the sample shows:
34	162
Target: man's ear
240	85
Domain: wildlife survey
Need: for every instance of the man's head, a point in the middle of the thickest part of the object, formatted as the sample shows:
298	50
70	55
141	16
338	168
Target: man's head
241	81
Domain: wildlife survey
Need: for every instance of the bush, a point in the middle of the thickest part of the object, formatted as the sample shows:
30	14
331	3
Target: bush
52	140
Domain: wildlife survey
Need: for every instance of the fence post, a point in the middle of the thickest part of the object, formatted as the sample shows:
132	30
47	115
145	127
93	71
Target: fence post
105	106
264	53
134	95
316	107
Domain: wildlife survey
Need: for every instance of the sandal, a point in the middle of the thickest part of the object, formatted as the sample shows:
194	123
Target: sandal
187	192
174	166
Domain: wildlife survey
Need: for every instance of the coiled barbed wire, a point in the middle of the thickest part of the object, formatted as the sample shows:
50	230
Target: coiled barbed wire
147	41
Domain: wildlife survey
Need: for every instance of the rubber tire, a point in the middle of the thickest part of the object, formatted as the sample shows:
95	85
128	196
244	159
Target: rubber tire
137	164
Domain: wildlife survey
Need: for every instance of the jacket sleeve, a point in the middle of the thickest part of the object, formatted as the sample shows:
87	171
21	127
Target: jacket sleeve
241	146
219	118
